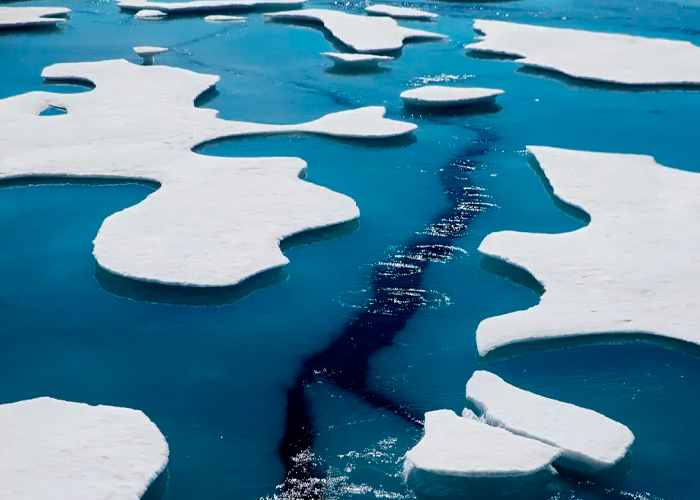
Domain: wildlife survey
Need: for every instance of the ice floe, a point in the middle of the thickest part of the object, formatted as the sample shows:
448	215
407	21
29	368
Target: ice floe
28	17
607	57
590	442
223	19
632	270
455	451
368	34
67	451
399	12
214	221
207	5
148	53
356	60
150	14
443	96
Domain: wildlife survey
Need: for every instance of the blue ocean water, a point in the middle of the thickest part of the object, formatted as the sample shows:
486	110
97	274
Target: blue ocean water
216	379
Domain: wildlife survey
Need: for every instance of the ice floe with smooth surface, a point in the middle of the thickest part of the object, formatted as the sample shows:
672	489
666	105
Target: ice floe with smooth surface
443	96
590	442
356	60
68	451
368	34
399	12
148	53
460	455
207	5
632	271
150	14
223	19
589	55
214	221
31	17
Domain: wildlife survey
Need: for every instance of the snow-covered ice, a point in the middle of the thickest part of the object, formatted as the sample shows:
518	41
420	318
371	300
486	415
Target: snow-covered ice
214	221
589	55
150	14
632	270
455	450
72	451
223	19
207	5
369	34
28	17
399	12
443	96
148	53
356	60
589	441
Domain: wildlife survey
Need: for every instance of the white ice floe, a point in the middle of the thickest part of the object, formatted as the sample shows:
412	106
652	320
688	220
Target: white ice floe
150	14
207	5
356	60
68	451
214	221
442	96
454	451
148	53
399	12
369	34
27	17
632	270
607	57
223	19
589	441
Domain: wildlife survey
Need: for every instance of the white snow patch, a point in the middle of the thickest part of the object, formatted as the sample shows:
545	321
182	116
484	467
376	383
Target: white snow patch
67	451
214	221
443	96
607	57
148	53
150	14
206	5
633	269
399	12
369	34
589	441
356	60
223	19
27	17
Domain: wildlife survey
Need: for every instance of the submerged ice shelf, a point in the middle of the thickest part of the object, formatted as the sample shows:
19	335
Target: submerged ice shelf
589	55
214	221
631	271
31	17
66	451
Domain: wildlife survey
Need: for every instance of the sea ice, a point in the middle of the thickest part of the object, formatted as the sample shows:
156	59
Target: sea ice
207	5
148	53
607	57
442	96
28	17
150	14
71	451
214	221
356	60
454	451
369	34
589	441
223	19
399	12
632	270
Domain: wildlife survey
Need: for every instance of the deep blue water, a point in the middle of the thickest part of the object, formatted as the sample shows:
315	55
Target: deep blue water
215	379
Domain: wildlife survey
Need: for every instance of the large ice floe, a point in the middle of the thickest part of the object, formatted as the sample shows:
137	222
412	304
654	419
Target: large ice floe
31	17
207	5
399	12
462	455
70	451
590	442
213	221
368	34
588	55
632	270
441	96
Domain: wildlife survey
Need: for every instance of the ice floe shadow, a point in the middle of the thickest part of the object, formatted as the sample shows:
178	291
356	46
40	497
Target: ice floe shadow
413	111
355	71
159	487
208	296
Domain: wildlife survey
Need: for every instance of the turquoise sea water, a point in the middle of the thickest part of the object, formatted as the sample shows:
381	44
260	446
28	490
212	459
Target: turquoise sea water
216	379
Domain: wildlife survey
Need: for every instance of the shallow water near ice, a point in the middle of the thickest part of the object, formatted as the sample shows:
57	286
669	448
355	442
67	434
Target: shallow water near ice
216	379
